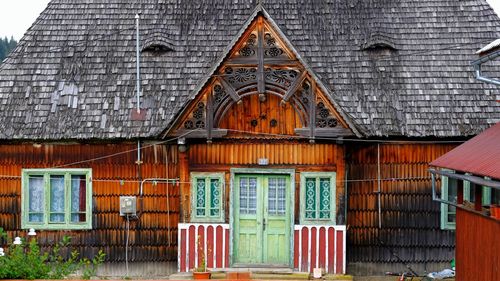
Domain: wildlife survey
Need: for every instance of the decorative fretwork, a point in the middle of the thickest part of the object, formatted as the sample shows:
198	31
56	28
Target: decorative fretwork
271	47
324	118
241	76
249	48
200	197
214	197
281	77
219	95
197	120
310	210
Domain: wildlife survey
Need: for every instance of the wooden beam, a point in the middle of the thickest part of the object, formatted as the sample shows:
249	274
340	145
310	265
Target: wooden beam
324	132
312	109
200	134
184	187
209	118
261	82
230	90
295	85
267	61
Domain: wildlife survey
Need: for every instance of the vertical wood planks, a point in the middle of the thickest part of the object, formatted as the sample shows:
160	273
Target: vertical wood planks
320	246
208	241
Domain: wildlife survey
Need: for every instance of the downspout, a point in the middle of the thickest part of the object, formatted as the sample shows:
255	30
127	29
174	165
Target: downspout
482	78
477	67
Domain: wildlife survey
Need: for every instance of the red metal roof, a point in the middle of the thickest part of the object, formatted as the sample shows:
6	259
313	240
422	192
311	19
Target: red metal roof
479	156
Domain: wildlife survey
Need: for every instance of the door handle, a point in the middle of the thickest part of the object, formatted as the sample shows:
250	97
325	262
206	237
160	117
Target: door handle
264	225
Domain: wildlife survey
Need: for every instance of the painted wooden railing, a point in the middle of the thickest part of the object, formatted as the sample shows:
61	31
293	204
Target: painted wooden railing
198	241
320	246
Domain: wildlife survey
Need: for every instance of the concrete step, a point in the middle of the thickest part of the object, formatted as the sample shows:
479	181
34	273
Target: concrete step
262	275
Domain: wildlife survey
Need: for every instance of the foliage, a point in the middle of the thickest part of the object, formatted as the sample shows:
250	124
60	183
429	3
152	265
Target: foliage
202	267
27	261
90	266
6	46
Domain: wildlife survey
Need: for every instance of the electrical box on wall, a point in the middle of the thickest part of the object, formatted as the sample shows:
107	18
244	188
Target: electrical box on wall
128	206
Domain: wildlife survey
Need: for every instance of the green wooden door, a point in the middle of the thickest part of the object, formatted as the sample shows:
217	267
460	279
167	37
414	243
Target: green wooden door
262	219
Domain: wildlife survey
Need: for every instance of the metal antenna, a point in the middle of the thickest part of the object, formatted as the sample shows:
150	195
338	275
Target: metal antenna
138	62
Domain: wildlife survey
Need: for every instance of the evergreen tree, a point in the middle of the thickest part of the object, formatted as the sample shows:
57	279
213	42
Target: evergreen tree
6	46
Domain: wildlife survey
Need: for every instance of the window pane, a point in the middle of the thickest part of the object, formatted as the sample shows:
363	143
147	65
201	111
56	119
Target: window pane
36	199
56	198
215	197
324	203
495	196
281	196
78	198
200	197
452	190
252	196
243	195
272	196
310	212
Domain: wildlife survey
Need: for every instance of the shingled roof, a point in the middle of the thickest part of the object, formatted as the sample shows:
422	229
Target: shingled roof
396	68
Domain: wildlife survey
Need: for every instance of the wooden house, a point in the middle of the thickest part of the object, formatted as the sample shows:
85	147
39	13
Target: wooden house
470	190
472	197
269	133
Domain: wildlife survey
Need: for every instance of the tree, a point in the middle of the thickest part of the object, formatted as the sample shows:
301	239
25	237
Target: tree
6	46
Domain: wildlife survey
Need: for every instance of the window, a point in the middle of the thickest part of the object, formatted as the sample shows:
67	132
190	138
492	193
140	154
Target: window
207	197
56	199
449	192
317	193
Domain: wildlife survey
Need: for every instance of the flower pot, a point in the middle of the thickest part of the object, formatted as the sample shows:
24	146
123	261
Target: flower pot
201	275
495	211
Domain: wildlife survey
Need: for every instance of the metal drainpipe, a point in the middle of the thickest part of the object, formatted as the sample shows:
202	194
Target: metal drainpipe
379	188
485	79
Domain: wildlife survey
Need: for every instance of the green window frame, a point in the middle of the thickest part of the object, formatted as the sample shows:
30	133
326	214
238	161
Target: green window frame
207	197
449	192
56	199
317	197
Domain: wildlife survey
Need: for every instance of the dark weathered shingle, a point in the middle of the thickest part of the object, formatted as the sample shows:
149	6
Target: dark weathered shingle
73	74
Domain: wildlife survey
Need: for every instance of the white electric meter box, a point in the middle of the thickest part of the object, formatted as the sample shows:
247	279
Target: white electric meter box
128	206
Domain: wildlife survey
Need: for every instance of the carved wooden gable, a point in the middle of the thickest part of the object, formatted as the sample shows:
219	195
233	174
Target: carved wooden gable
261	88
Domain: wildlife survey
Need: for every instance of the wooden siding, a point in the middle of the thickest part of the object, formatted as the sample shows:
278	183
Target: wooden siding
152	238
477	247
410	220
240	116
301	156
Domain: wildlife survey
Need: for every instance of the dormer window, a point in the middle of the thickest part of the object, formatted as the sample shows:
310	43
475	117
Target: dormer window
377	42
157	43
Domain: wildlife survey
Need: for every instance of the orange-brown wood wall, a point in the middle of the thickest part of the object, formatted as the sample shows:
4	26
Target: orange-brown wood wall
239	118
410	219
301	156
478	247
152	238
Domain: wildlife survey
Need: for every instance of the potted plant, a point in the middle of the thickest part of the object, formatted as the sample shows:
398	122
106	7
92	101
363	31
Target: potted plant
201	272
495	211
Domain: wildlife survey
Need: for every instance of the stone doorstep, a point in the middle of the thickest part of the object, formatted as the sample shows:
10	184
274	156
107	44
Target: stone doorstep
249	275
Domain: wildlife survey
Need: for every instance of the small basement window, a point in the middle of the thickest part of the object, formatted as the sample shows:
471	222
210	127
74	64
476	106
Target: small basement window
56	199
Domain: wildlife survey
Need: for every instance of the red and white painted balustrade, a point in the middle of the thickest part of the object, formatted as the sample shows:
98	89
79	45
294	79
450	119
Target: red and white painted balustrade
315	246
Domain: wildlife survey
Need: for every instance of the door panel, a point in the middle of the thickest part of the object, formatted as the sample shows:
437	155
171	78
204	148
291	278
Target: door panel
262	219
276	220
248	221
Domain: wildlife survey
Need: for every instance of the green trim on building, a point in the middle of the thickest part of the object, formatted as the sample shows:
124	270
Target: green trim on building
46	214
